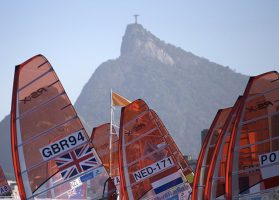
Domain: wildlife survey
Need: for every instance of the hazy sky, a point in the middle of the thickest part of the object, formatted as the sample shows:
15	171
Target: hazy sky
77	36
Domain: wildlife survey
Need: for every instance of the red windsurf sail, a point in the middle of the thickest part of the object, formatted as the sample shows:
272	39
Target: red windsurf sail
5	189
51	152
151	165
100	139
206	153
215	180
253	159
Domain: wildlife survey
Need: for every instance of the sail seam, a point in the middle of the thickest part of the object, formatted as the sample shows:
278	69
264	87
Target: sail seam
135	118
256	143
40	105
147	155
258	118
34	80
46	131
42	64
143	135
261	94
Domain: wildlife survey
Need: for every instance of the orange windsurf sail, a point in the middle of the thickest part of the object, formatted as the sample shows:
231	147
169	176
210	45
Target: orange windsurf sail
253	166
100	139
215	179
151	165
51	152
205	157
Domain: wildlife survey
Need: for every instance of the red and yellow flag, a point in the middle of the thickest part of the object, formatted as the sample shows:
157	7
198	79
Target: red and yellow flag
118	100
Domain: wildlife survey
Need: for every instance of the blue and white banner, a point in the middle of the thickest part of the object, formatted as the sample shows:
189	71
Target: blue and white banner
180	192
167	182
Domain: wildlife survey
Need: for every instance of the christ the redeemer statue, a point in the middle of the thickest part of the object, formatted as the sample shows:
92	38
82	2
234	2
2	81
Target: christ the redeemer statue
136	18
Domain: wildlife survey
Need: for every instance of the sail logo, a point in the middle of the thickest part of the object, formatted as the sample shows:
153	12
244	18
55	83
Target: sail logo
259	106
153	169
138	127
67	143
33	95
4	189
269	164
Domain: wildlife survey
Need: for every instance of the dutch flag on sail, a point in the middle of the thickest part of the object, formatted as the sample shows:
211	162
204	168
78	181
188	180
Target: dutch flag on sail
167	182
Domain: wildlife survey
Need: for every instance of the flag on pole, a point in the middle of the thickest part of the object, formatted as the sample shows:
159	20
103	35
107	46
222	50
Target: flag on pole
118	100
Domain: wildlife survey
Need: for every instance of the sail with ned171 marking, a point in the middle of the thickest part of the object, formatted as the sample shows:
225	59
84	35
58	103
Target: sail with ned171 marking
151	165
253	159
206	152
52	156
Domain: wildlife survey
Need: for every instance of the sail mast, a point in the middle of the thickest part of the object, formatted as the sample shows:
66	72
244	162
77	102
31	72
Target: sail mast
110	133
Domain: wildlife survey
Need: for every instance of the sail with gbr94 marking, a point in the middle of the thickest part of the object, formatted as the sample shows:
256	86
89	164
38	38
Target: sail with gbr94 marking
51	152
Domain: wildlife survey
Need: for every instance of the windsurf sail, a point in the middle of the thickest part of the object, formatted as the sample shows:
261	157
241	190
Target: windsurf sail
5	189
253	159
215	179
151	165
205	157
52	156
100	139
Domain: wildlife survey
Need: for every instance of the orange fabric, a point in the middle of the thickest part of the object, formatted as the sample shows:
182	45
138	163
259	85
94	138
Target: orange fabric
100	139
43	114
255	134
205	156
217	159
118	100
144	140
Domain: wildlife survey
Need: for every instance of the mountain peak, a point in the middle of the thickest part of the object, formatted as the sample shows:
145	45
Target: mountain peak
140	42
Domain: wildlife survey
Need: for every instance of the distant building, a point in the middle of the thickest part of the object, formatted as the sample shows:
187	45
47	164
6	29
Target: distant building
191	161
203	135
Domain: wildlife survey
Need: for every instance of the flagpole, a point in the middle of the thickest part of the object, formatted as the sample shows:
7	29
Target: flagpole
110	134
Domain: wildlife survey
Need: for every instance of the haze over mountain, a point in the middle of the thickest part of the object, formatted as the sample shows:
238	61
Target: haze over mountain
185	90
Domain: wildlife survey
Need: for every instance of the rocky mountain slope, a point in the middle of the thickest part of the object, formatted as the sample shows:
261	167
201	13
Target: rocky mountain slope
185	90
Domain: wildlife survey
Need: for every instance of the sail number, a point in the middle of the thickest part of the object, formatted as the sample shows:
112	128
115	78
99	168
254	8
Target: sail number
67	143
152	169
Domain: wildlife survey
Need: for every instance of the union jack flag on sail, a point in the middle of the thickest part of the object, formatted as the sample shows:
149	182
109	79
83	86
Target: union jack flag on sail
76	162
